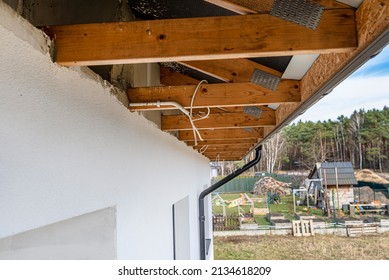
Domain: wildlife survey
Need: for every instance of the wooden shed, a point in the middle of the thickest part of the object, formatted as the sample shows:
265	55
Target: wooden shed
332	178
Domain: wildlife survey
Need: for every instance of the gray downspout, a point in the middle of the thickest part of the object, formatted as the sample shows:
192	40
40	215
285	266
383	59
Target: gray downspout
204	193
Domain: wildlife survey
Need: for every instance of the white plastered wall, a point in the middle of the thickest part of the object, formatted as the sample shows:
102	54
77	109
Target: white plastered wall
68	147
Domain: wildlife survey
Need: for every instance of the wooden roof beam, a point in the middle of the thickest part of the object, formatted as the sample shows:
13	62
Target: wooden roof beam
231	149
229	70
224	155
223	134
258	35
217	95
221	148
216	143
222	120
233	6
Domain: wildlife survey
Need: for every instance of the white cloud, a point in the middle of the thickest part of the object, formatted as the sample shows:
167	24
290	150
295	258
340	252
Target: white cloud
352	94
367	88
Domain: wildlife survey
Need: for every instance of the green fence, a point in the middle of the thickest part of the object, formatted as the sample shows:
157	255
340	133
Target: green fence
382	188
246	183
239	184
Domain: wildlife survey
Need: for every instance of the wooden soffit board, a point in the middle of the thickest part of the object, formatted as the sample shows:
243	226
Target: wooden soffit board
241	36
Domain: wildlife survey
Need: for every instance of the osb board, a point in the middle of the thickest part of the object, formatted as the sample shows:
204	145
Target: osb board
372	19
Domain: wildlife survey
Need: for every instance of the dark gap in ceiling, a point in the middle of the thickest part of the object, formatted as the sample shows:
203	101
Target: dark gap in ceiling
191	72
168	9
278	63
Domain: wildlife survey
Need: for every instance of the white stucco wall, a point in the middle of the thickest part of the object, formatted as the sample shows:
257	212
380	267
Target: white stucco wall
69	147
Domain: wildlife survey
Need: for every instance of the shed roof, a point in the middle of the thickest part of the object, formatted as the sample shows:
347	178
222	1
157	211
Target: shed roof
332	173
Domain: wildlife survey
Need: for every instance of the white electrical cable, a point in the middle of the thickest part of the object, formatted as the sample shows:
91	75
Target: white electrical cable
174	104
195	130
203	149
189	114
194	95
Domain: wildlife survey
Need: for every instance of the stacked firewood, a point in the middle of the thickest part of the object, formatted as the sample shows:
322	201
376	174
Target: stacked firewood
269	184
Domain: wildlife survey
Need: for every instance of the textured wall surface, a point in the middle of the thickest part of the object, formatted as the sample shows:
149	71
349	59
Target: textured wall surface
69	147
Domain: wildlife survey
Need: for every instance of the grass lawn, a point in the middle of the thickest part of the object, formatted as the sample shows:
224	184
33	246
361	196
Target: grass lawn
318	247
286	207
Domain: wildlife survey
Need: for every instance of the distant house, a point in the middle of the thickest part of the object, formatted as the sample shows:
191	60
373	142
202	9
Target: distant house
334	177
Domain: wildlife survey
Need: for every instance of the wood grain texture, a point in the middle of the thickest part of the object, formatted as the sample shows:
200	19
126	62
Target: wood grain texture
223	134
257	35
219	95
222	120
237	70
216	143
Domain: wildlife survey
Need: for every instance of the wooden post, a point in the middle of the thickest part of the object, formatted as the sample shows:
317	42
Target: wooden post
294	203
337	186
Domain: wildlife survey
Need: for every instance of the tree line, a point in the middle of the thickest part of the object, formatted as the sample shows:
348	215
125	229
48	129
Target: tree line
362	138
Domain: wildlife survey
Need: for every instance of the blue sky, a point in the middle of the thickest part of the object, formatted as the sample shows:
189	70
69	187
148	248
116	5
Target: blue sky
366	88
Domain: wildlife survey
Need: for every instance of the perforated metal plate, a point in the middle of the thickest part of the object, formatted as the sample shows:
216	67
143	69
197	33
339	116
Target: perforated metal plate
265	79
249	129
302	12
252	111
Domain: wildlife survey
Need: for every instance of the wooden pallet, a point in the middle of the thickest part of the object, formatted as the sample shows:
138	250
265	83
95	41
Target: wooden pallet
360	230
303	228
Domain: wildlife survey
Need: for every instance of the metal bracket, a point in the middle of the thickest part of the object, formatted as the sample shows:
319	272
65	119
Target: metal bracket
302	12
265	79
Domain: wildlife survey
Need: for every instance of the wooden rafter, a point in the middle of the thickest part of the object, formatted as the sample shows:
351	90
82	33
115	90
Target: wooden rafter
215	143
237	70
233	6
217	95
224	134
225	155
222	120
227	149
219	147
210	38
237	158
